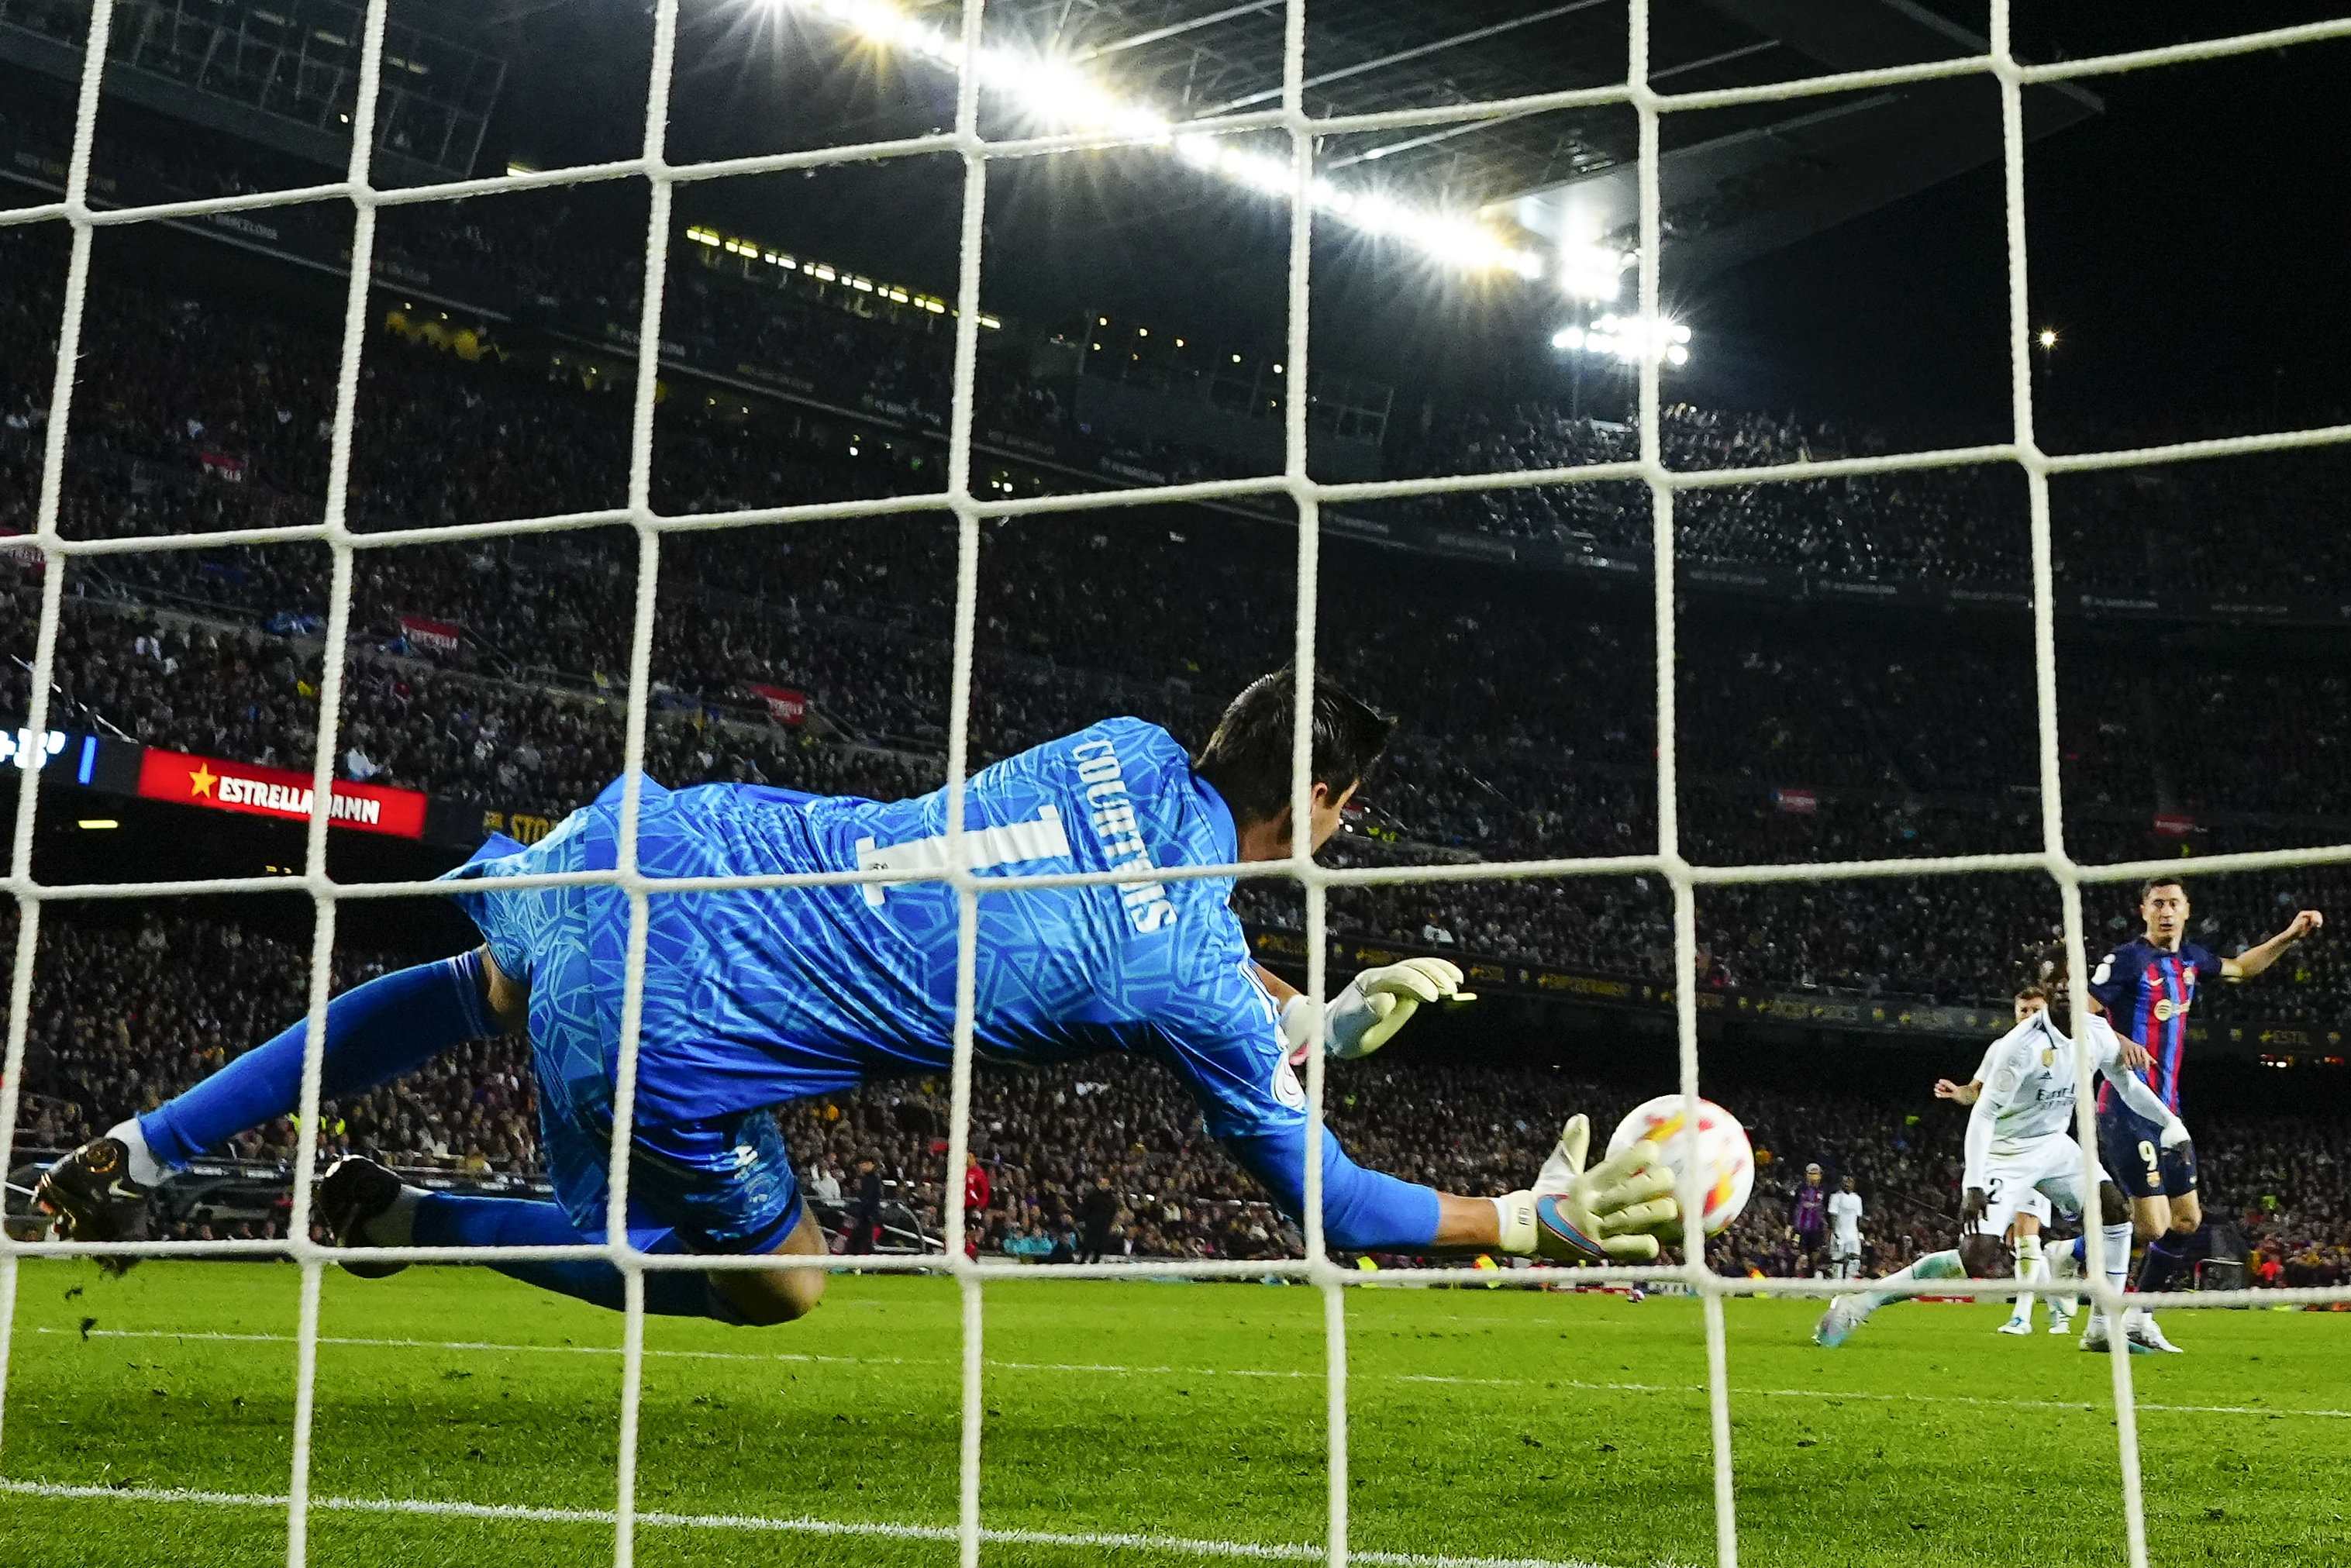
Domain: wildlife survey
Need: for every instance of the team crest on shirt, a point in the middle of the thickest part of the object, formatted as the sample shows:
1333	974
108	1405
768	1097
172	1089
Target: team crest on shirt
2048	1056
2187	977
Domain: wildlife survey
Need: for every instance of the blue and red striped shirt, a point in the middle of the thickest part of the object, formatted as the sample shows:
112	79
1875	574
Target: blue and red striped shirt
2147	993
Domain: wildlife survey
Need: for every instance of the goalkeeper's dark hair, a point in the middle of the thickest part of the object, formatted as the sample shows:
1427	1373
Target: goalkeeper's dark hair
1248	758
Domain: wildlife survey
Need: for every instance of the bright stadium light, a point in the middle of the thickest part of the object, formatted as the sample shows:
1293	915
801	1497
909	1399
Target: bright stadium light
1594	272
1059	94
1625	338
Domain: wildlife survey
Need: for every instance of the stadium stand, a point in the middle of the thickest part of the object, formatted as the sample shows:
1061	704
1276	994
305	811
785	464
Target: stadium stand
1811	738
129	1011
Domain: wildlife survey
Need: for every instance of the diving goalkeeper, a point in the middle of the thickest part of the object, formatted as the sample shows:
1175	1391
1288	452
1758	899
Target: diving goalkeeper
756	997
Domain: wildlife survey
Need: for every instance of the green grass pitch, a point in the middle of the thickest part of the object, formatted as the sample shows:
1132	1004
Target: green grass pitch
1486	1424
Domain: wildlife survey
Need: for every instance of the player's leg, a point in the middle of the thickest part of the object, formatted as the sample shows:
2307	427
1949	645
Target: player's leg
2059	1263
389	1026
2115	1219
721	1187
2173	1255
2128	1150
1847	1313
2024	1243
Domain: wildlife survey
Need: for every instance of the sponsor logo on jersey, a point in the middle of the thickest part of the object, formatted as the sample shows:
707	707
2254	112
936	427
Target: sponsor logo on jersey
2167	1009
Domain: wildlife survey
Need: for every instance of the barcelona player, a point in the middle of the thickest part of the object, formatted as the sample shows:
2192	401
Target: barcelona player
2147	989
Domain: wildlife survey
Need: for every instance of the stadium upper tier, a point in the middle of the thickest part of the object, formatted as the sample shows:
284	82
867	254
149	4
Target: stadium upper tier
538	282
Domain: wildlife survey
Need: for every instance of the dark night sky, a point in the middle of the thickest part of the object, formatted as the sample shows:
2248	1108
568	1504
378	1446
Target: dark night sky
2189	243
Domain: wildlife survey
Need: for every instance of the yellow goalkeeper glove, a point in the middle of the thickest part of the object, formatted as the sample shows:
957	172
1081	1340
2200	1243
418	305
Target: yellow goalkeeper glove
1375	1004
1604	1215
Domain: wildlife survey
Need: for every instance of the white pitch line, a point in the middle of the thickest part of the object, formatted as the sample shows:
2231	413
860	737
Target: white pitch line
1123	1371
1281	1551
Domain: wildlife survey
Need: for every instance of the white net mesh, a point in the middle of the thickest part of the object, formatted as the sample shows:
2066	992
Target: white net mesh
960	501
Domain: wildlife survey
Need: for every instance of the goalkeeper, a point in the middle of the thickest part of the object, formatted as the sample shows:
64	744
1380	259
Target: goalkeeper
755	997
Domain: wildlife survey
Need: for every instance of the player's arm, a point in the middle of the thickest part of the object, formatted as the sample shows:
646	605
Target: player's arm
1221	1036
2106	998
1604	1214
1367	1014
1962	1094
1283	992
2105	1051
2256	960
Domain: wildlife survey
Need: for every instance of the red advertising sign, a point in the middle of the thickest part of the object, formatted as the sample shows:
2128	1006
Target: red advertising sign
221	466
440	636
1804	802
277	792
783	706
2174	825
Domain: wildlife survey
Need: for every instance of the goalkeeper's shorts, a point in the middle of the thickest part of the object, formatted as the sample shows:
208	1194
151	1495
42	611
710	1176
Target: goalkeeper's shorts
724	1184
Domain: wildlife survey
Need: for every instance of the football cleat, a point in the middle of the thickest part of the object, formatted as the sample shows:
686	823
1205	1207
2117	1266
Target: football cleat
1845	1314
2095	1337
2017	1326
2144	1337
93	1195
354	1190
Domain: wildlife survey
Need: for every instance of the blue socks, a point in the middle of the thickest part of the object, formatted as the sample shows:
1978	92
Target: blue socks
389	1026
2168	1255
444	1220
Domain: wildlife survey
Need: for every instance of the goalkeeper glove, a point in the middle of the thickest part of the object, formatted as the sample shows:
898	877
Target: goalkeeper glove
1375	1004
1604	1215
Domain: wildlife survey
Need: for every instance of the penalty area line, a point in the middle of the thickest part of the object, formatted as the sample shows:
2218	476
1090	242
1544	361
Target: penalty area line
1277	1551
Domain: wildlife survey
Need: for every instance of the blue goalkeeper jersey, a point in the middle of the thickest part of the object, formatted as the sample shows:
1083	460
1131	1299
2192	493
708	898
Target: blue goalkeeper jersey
753	996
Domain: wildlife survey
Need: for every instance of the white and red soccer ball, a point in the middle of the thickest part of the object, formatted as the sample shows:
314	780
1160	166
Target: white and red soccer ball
1717	1147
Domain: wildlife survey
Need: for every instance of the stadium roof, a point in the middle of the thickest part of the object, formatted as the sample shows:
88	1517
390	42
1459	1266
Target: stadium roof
1740	182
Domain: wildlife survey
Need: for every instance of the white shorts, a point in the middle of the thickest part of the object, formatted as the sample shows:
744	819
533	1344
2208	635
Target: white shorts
1844	1246
2044	1176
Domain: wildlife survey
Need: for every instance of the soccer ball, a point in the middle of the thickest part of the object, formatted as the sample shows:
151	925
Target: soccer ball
1725	1160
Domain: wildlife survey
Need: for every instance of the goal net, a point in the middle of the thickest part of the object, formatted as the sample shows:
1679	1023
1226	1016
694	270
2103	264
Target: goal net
969	506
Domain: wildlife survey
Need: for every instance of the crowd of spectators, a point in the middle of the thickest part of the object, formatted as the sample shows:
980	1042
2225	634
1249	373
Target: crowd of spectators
1529	734
2243	527
128	1010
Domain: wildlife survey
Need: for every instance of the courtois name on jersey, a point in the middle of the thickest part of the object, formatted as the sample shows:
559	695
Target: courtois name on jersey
756	996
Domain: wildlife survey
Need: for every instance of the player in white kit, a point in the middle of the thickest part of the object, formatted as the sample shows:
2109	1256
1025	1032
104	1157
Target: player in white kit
2018	1143
1844	1232
2018	1150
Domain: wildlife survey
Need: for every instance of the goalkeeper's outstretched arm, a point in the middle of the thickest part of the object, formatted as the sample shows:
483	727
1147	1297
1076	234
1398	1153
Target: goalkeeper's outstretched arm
1609	1214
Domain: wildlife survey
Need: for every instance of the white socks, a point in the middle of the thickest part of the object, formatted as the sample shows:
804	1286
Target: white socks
2030	1267
2118	1245
144	1167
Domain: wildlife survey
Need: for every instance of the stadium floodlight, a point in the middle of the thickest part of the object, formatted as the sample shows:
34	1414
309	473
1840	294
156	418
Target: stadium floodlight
1060	94
2048	337
1626	338
1594	272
